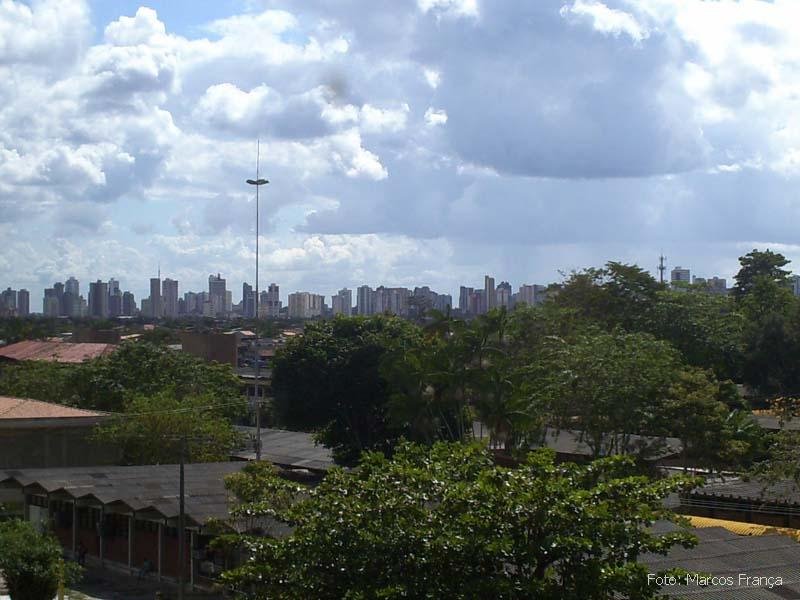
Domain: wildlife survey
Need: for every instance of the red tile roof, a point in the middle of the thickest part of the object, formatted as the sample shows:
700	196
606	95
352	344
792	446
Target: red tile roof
61	352
25	408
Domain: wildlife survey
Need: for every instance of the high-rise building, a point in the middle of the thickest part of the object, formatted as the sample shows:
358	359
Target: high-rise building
217	295
9	301
23	303
50	304
342	302
489	295
155	307
72	286
464	294
113	287
304	305
365	302
503	294
128	304
169	297
273	301
680	277
715	285
98	299
248	301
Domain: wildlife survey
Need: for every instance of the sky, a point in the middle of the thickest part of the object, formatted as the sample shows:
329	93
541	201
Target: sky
407	142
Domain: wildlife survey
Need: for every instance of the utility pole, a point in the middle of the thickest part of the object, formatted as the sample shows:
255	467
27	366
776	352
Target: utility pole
181	522
661	268
258	182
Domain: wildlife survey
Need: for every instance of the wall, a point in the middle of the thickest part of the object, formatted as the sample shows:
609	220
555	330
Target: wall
219	347
53	447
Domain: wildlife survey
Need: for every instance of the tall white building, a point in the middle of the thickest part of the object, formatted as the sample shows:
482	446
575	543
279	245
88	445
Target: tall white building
304	305
217	295
342	302
155	307
364	300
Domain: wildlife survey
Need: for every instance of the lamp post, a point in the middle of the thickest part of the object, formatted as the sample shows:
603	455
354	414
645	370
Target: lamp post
258	182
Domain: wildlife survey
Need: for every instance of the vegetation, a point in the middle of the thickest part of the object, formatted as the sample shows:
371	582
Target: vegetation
156	429
446	522
135	368
30	562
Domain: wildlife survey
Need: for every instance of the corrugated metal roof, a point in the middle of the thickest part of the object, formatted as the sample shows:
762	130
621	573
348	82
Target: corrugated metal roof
150	487
295	449
55	351
784	492
723	553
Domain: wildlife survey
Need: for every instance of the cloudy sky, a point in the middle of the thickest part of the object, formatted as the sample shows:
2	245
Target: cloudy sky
407	142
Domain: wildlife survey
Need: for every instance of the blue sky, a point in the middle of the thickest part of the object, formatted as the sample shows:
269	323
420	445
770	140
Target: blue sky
408	142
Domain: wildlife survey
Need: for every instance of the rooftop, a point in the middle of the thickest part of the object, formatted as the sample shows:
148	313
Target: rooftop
150	490
295	449
25	408
55	351
722	553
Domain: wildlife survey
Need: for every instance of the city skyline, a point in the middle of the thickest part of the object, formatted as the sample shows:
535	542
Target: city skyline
625	136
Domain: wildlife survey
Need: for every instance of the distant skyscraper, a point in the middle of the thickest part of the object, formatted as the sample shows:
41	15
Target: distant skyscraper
9	301
248	301
72	286
23	303
304	305
128	304
98	299
272	302
489	295
680	276
342	302
503	294
364	300
113	287
155	307
463	298
169	297
217	294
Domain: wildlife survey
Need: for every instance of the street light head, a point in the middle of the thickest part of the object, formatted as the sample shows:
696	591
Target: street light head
257	181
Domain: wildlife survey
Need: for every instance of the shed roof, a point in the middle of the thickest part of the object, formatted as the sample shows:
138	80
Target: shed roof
295	449
139	488
55	351
26	408
722	553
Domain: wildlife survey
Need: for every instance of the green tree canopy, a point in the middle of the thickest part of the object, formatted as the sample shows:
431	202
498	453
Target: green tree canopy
329	380
152	428
607	385
446	522
30	562
759	264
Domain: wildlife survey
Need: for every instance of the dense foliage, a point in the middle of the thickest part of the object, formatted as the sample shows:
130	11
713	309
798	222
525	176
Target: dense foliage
30	562
329	379
446	522
156	429
135	368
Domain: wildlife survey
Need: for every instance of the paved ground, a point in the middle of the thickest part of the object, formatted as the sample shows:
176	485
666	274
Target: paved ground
108	585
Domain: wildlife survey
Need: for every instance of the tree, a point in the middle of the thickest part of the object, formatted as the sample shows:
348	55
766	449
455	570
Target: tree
759	264
30	562
694	414
329	380
142	368
607	385
706	328
153	428
446	522
615	295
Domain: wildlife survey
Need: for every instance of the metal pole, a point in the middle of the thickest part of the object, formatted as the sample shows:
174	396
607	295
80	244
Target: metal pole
258	349
181	524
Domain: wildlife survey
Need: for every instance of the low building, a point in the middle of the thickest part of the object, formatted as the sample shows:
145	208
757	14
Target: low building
43	434
212	347
55	351
123	516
